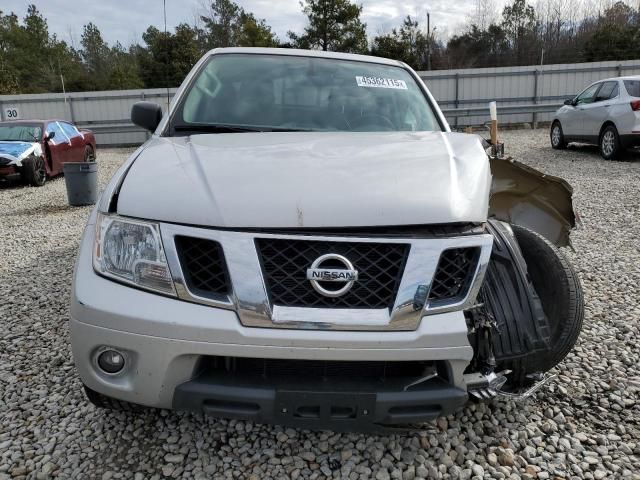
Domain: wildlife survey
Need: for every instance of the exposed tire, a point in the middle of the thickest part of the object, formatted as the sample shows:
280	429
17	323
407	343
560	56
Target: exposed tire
108	403
556	135
89	154
609	143
34	172
562	298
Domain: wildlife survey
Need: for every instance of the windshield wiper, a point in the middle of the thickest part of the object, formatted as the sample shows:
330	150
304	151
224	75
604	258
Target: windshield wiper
222	128
215	128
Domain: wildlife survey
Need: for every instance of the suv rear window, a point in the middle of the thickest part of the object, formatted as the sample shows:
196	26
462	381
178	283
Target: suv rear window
633	87
608	90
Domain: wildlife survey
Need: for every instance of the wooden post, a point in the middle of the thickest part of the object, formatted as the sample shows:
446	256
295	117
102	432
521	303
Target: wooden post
493	110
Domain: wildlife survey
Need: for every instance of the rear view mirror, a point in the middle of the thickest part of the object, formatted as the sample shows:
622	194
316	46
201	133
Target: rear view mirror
146	115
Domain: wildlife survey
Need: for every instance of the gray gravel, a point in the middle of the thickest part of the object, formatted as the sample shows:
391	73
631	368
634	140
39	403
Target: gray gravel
585	425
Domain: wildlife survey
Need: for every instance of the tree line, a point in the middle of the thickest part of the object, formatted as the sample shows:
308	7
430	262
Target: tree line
555	31
33	60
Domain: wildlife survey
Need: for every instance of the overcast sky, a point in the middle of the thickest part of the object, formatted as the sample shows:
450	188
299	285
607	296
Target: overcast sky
125	20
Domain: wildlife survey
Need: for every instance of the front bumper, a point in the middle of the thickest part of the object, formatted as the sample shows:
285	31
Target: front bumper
9	172
164	341
156	364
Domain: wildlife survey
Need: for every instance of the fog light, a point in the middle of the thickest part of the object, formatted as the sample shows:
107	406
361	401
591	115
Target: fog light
111	361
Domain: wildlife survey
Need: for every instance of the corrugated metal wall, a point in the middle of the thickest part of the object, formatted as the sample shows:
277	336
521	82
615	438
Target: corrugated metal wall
107	113
515	86
462	94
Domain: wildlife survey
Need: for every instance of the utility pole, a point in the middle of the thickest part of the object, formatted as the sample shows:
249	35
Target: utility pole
428	41
64	92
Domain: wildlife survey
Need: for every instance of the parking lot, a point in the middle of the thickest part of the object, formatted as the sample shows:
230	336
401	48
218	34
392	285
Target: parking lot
586	424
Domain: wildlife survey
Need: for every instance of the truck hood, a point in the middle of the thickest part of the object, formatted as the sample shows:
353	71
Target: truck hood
309	180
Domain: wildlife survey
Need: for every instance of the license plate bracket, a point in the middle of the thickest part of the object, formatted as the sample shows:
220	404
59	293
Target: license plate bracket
321	407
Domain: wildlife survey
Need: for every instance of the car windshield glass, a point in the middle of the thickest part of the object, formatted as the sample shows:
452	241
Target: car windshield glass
633	87
20	133
281	92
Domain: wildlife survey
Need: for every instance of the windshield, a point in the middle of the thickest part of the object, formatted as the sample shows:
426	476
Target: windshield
20	133
279	92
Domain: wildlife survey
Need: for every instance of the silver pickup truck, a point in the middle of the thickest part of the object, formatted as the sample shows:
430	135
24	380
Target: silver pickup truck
304	241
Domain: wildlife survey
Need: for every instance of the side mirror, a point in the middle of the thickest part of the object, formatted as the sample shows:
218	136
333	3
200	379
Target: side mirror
49	135
569	102
146	115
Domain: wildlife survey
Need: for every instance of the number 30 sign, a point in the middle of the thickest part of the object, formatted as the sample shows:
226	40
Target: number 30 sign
11	113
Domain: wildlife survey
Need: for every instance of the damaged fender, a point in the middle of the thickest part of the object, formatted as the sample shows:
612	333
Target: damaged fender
524	196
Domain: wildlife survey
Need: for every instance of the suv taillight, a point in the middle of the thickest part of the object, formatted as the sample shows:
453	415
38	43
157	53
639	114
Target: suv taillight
635	105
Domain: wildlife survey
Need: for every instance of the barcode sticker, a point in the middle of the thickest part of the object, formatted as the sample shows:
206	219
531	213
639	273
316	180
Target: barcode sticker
379	82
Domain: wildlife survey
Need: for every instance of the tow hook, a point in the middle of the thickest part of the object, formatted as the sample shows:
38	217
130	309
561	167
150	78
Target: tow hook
488	386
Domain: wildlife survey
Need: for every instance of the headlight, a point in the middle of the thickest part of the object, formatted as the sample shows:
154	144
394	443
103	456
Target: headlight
131	251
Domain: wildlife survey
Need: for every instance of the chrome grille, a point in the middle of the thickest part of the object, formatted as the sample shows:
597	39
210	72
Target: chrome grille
248	288
203	266
285	263
454	274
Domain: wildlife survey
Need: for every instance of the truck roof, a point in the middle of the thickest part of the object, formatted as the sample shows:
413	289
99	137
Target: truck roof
307	53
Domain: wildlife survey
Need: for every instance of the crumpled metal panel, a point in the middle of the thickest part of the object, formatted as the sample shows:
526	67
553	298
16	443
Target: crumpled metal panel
525	196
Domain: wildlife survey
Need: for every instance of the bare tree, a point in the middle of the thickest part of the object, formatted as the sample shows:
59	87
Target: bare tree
485	14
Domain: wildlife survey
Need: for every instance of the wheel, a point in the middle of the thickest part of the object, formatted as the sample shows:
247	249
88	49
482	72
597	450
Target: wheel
562	299
89	154
34	172
558	141
610	147
108	403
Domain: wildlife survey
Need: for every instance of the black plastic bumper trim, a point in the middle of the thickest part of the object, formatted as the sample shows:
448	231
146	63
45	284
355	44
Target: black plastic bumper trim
333	406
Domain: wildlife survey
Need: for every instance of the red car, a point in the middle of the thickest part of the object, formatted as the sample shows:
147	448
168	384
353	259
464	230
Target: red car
36	149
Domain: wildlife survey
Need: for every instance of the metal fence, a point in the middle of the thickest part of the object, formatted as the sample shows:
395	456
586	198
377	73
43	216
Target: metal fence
106	113
524	95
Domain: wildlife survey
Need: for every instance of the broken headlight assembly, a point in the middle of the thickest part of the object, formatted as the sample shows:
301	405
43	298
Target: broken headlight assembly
130	251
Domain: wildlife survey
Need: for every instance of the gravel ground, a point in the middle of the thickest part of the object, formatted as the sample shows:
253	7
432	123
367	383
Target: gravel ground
584	425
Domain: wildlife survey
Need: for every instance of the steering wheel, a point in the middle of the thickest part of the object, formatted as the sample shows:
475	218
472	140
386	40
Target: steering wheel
374	119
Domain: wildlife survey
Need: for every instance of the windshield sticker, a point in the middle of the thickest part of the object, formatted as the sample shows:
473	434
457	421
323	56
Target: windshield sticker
379	82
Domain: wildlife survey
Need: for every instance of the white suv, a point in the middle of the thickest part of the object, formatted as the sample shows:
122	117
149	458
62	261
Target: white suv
606	113
304	241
